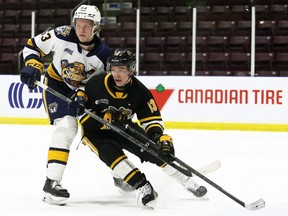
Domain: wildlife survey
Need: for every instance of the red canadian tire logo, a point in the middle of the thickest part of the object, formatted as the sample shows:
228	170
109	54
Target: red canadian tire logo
161	95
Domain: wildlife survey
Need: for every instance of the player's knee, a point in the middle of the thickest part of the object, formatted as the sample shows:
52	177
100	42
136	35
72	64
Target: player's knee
109	152
65	131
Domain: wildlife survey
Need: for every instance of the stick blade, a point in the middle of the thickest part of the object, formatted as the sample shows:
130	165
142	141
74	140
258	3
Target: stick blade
255	205
209	168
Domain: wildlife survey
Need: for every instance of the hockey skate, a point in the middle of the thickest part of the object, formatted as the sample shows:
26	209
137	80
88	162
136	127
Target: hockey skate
124	188
187	182
55	194
146	195
193	187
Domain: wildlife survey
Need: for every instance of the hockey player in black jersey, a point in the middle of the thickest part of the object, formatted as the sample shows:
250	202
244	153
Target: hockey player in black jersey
117	97
78	54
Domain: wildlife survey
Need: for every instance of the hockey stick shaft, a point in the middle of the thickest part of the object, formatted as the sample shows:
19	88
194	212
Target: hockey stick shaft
141	145
144	146
252	206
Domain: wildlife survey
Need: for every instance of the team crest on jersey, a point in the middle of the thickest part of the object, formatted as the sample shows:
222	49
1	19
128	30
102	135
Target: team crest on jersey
53	107
63	30
74	73
123	112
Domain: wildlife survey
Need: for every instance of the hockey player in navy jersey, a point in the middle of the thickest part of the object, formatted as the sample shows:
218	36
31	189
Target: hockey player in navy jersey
78	55
117	97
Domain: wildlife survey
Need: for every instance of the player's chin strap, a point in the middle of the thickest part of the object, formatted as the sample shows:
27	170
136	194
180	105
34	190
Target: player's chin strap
151	148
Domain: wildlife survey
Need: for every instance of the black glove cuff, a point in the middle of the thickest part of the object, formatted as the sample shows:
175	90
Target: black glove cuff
155	137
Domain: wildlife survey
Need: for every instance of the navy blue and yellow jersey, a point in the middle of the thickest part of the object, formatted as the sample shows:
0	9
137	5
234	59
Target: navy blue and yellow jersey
71	64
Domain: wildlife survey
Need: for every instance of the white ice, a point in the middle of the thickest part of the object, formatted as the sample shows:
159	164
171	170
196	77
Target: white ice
254	166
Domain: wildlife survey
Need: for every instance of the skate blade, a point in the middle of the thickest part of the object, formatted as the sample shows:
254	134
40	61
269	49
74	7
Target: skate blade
151	205
53	200
203	198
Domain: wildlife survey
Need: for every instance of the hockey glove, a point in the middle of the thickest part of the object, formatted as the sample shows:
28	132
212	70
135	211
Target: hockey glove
115	116
166	149
80	103
29	75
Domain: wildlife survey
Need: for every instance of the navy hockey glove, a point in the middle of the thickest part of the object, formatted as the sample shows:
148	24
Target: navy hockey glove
166	148
29	75
80	102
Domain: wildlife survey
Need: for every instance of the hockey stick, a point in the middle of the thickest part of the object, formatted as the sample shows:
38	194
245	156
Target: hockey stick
203	170
209	168
144	147
260	203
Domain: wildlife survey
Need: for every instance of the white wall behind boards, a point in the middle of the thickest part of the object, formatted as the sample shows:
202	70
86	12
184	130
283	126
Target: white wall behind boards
182	100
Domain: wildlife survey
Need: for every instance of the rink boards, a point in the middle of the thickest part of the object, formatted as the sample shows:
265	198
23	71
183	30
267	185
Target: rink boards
245	103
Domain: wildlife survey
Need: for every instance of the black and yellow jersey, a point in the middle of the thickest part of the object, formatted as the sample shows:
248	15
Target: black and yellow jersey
135	100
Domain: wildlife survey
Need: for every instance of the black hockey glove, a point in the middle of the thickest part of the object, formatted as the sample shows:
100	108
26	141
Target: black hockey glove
117	117
80	103
166	149
29	75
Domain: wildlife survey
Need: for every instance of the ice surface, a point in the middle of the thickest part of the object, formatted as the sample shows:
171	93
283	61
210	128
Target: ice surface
254	166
